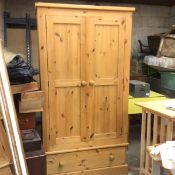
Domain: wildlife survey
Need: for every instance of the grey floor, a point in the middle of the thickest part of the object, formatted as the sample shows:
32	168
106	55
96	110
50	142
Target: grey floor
134	149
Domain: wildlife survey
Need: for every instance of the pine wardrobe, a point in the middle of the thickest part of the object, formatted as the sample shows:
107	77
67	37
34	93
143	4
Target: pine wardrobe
84	66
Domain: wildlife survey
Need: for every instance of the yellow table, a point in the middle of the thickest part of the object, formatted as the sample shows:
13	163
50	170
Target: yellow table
134	109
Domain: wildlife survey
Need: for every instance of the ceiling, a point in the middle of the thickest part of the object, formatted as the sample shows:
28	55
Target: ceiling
149	2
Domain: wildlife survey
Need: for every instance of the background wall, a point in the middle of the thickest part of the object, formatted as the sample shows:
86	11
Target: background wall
1	18
172	16
147	20
16	37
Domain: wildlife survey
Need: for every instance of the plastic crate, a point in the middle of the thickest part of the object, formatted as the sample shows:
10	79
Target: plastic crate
168	80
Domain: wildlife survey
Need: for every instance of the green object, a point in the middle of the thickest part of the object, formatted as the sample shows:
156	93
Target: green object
168	80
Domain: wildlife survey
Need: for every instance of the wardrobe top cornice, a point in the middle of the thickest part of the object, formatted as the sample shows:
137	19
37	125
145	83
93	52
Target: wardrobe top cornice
86	7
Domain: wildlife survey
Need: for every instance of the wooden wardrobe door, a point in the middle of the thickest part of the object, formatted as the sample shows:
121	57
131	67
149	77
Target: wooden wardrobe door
65	43
105	55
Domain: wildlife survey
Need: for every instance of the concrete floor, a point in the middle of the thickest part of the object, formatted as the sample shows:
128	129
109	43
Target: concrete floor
134	149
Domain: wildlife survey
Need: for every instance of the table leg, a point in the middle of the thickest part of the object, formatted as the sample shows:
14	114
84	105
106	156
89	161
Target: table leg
148	141
169	135
142	151
155	129
156	169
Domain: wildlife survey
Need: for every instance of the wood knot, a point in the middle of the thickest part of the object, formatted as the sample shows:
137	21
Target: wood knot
92	135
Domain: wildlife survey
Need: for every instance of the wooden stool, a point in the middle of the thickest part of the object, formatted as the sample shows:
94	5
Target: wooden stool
154	114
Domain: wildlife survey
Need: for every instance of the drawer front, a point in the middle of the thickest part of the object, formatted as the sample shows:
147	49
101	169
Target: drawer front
115	170
26	121
85	160
31	102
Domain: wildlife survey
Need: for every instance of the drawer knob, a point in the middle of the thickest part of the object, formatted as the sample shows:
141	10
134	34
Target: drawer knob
91	82
111	158
61	164
83	83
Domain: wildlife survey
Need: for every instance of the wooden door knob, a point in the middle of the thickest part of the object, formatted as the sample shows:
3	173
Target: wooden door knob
91	82
83	83
61	164
111	158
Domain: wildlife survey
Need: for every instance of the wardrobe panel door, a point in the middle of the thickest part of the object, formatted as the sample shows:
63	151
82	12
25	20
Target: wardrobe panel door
105	46
65	42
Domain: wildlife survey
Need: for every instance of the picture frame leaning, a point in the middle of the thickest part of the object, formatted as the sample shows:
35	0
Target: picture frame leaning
10	120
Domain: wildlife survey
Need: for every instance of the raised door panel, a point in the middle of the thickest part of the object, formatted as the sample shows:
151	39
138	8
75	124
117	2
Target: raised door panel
65	42
105	51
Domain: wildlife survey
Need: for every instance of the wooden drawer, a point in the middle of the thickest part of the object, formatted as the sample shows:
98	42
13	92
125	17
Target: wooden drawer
115	170
36	162
26	87
31	102
26	121
85	160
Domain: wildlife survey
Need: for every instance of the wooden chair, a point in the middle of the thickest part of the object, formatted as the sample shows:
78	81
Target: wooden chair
161	119
157	168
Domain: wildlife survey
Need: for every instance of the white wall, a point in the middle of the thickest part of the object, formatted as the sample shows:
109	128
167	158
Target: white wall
147	19
172	18
16	37
18	8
